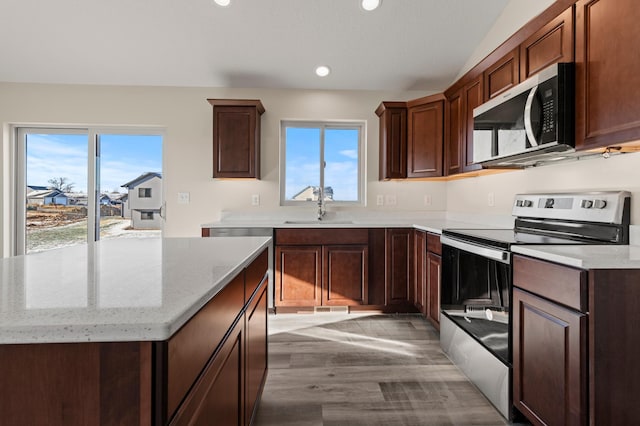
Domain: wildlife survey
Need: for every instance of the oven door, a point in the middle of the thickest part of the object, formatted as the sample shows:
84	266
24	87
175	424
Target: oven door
476	293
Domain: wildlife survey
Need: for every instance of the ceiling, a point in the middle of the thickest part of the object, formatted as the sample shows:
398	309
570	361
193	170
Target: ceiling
403	45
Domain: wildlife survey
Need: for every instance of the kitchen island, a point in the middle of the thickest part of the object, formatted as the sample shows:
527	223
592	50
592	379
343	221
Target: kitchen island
134	332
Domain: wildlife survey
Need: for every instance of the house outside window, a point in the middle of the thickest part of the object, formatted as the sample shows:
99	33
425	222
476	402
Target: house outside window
322	159
144	192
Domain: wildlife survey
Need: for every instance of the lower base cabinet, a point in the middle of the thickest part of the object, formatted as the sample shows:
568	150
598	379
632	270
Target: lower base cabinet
434	266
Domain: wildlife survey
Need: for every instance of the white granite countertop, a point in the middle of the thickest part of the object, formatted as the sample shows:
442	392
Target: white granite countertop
116	290
585	256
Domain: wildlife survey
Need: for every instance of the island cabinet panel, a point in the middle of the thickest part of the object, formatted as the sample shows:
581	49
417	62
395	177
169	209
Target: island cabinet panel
550	44
393	140
607	81
191	347
399	254
236	138
219	393
425	138
298	276
76	384
345	272
256	350
502	75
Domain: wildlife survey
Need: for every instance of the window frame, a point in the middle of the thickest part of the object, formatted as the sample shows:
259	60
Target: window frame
144	191
323	125
15	227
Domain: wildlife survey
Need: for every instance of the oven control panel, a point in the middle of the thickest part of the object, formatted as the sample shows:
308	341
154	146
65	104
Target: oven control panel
603	207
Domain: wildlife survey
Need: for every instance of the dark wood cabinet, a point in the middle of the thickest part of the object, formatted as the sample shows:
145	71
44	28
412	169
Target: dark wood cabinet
607	81
473	97
455	131
549	361
236	138
550	44
502	75
399	253
425	137
332	272
434	266
393	140
256	350
420	271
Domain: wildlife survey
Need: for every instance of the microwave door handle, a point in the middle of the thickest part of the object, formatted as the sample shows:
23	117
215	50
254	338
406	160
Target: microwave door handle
528	127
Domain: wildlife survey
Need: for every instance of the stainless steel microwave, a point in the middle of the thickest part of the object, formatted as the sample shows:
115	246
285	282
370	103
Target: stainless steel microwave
531	123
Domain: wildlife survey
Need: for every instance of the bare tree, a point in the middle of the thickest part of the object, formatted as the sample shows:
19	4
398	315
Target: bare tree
61	184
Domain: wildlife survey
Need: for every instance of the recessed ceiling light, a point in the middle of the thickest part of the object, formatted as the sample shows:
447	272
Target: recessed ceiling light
323	71
370	5
222	2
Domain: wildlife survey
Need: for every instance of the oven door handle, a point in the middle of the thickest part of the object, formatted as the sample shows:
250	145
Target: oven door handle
491	253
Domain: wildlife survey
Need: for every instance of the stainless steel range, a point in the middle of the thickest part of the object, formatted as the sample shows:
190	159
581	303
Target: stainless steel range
475	329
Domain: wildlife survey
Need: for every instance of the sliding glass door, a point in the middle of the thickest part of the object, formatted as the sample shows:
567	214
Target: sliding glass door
80	185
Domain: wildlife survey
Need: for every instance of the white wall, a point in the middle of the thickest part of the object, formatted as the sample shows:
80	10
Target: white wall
187	118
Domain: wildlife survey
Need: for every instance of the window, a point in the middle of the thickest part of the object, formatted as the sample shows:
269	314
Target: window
144	192
146	215
69	187
321	158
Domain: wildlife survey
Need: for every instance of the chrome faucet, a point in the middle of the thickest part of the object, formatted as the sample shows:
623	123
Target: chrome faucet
321	208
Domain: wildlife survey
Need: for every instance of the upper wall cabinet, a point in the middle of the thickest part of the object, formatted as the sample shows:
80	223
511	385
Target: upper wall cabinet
550	44
454	134
425	137
236	138
607	77
393	140
502	75
473	97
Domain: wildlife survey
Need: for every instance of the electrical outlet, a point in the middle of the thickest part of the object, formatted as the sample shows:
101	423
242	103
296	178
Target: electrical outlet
255	200
427	200
491	199
390	199
380	200
183	198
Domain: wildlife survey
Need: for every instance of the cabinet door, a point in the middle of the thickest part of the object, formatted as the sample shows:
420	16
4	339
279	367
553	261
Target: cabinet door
434	264
345	275
425	139
393	140
298	276
218	393
420	267
473	96
549	361
454	135
502	75
607	81
399	257
236	138
550	44
256	350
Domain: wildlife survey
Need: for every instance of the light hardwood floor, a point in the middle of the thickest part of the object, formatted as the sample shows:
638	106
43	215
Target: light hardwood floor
363	369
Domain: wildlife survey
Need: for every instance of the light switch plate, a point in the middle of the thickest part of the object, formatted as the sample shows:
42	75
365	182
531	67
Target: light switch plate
183	198
255	200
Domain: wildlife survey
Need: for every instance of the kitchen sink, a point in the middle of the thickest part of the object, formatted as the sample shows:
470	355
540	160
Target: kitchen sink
318	222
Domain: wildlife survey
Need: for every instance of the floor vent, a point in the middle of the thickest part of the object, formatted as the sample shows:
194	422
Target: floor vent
318	309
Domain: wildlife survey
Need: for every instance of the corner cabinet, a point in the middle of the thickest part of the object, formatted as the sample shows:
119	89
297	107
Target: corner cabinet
607	81
425	137
393	140
236	138
571	362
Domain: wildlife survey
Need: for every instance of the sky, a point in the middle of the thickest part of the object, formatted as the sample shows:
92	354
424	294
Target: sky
303	161
122	159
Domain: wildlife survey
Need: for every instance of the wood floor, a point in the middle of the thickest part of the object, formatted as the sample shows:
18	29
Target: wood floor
357	369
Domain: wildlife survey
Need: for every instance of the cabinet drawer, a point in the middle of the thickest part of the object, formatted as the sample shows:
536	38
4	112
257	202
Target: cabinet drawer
324	236
561	284
191	347
433	243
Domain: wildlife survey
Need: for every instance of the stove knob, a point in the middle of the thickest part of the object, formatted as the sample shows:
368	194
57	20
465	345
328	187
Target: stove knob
528	203
599	204
586	204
